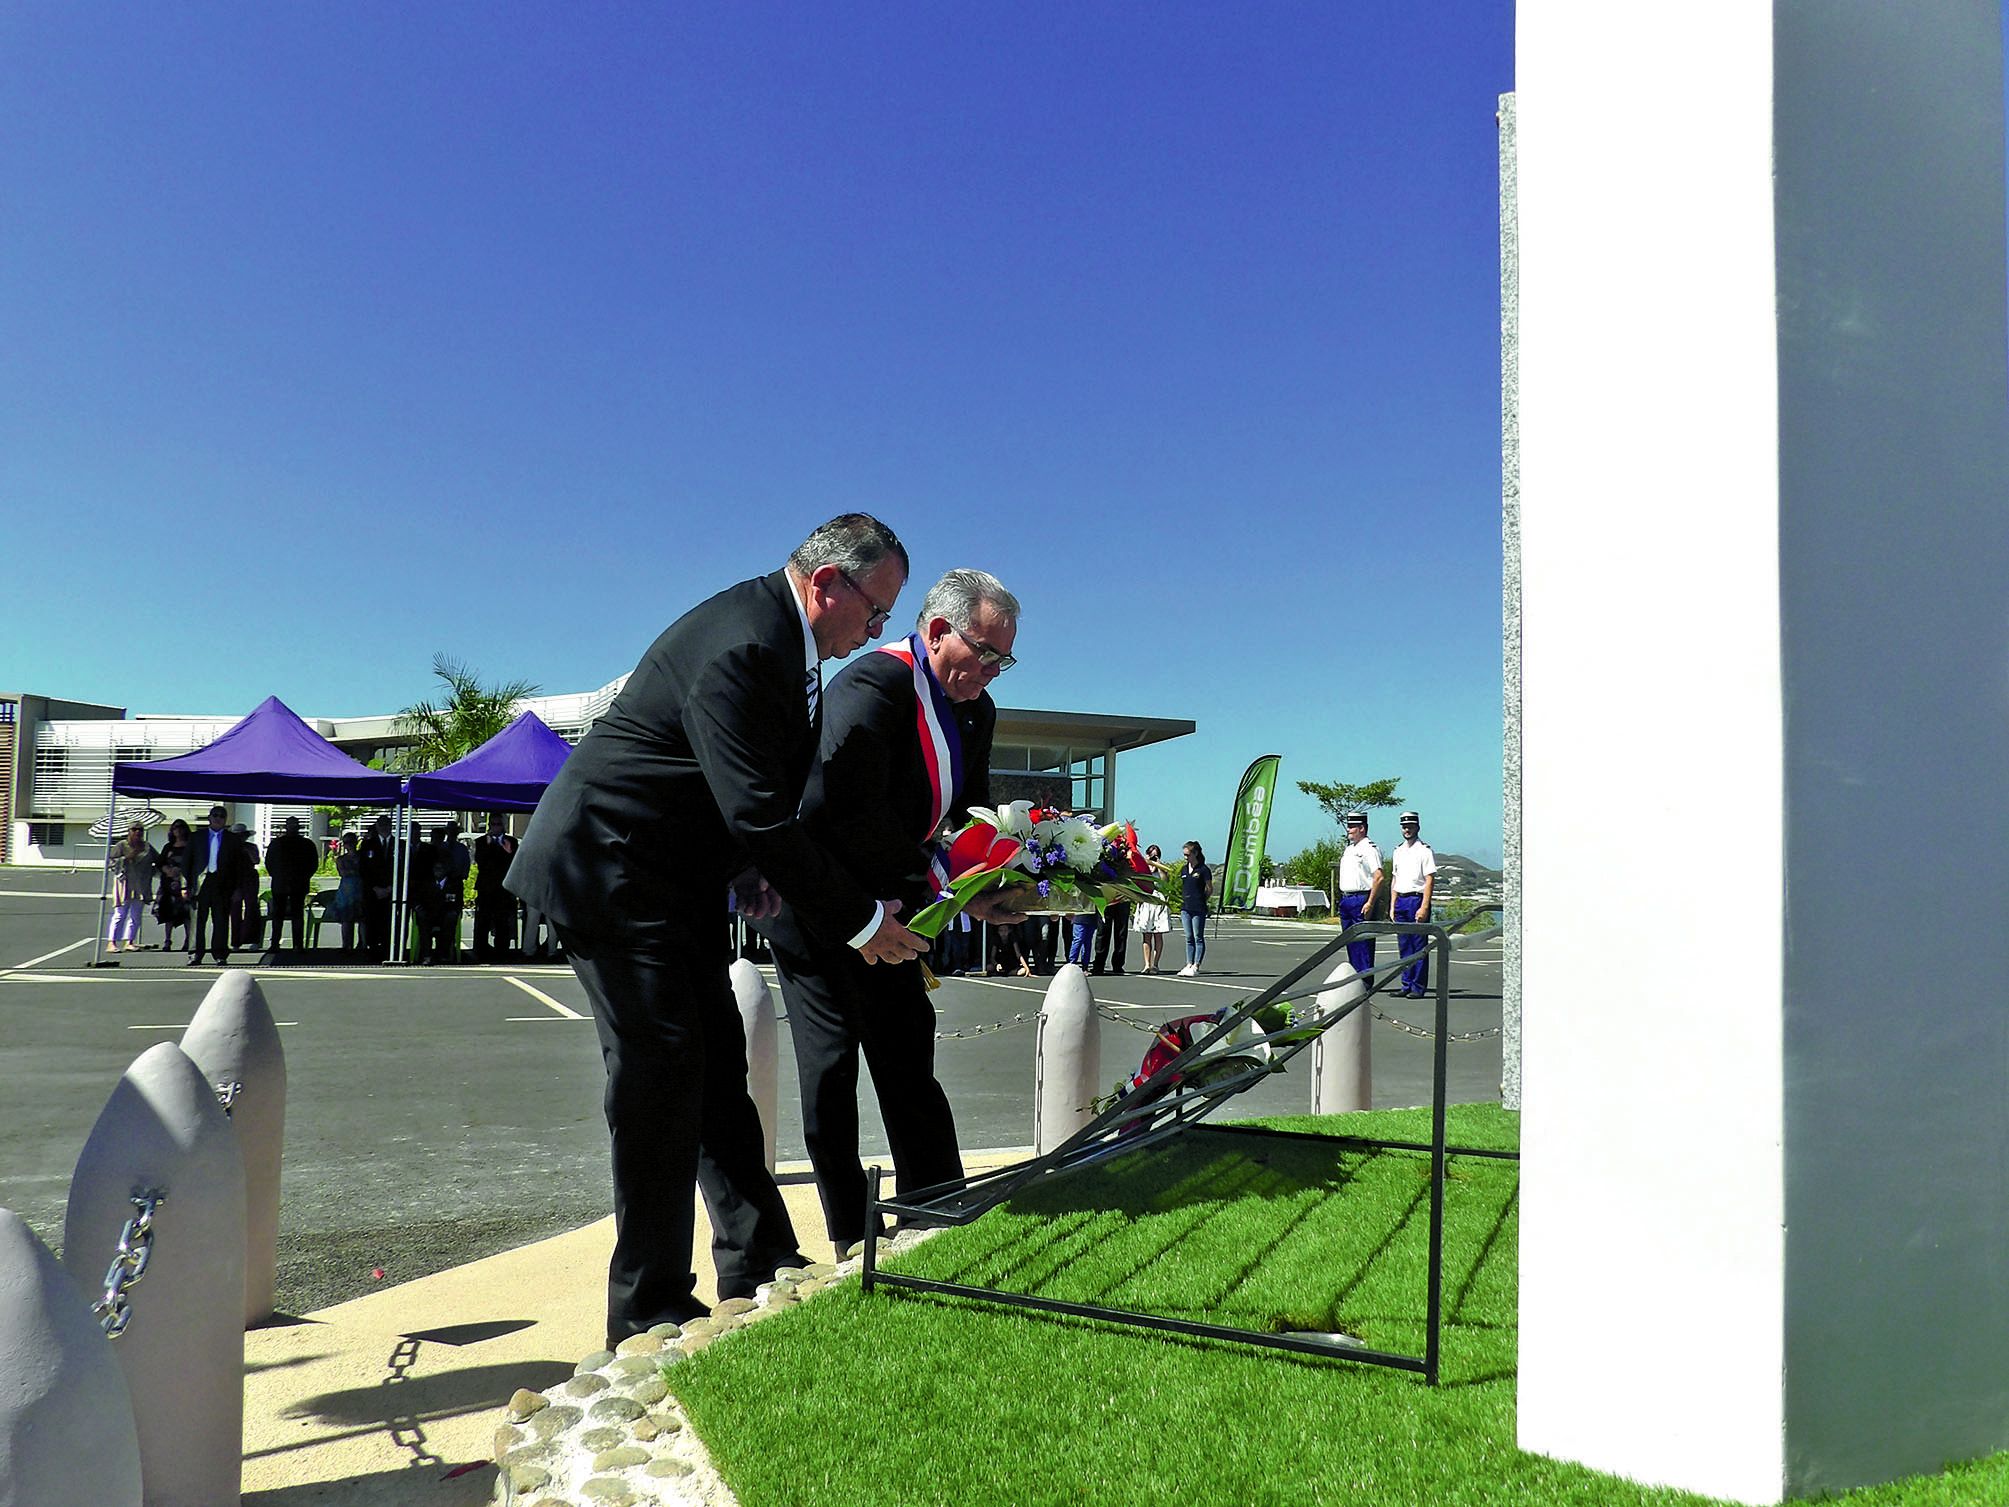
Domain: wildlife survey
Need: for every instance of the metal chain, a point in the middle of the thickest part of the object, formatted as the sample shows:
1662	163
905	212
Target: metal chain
1460	1036
987	1030
227	1090
1107	1013
130	1264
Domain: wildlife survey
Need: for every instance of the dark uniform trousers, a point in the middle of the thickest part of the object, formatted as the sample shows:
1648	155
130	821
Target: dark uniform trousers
677	1106
838	1003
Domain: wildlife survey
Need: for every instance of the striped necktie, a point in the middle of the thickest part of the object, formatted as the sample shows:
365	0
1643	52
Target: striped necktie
814	687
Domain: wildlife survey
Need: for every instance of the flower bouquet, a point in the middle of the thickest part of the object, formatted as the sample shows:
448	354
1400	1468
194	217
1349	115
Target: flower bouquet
1043	860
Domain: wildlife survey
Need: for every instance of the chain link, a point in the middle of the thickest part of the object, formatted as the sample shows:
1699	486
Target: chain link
1459	1036
1107	1013
988	1030
130	1264
227	1090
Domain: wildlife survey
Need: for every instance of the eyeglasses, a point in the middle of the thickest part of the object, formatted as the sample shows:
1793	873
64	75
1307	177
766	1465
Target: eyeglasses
879	614
988	657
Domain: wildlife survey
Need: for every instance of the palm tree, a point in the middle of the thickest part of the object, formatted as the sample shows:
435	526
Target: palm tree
467	716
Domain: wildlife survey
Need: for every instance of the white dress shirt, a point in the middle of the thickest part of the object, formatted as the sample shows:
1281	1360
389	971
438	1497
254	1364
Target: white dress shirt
1358	866
1414	862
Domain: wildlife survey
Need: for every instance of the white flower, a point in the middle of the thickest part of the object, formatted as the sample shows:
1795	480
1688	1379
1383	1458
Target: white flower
987	816
1082	844
1015	820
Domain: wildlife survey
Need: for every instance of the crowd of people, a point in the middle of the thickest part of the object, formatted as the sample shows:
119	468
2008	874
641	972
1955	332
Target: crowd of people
213	888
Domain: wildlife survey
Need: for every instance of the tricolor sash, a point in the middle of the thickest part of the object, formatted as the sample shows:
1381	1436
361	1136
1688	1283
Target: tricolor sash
941	740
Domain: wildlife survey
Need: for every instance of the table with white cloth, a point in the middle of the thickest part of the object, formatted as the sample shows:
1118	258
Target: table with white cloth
1290	899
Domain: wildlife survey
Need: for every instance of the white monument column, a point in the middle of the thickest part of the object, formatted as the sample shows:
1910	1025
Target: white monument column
1764	530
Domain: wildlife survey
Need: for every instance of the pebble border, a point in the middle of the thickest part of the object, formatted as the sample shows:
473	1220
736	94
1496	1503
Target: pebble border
612	1436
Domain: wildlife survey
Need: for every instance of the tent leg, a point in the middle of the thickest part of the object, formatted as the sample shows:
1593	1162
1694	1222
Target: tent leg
105	877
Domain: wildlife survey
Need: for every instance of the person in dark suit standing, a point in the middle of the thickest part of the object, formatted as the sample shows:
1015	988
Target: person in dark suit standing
906	747
494	906
291	860
215	858
377	860
688	788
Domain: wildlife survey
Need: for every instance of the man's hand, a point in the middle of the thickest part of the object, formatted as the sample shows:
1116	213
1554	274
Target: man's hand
755	897
995	908
892	942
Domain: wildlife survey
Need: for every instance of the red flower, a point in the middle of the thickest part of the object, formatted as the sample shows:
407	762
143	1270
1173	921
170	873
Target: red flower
979	847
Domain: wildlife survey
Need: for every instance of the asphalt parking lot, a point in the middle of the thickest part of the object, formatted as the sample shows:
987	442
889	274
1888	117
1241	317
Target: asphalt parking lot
436	1115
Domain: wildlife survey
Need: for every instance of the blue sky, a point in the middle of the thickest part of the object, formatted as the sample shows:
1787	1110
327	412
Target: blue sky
352	334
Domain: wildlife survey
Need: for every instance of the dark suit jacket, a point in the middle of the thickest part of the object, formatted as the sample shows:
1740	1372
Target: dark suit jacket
291	860
229	860
492	857
377	860
693	774
869	799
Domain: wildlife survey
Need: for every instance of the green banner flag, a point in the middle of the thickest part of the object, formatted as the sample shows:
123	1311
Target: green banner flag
1243	866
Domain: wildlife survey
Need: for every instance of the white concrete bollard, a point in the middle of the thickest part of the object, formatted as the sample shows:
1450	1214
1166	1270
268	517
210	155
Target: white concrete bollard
233	1039
66	1416
1342	1058
756	1018
183	1349
1067	1068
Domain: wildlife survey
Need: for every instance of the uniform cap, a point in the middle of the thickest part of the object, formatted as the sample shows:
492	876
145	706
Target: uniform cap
1411	816
1356	816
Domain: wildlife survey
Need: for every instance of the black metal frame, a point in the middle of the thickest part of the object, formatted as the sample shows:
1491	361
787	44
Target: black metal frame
1164	1105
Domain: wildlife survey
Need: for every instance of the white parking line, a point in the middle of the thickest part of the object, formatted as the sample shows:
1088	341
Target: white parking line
56	954
565	1011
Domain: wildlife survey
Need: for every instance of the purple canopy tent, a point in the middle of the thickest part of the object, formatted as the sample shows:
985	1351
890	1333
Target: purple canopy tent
269	756
507	773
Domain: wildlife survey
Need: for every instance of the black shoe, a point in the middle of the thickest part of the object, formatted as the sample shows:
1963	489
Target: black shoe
193	959
1118	972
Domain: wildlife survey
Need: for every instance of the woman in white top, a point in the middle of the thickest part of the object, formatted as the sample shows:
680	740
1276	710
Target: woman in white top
1153	918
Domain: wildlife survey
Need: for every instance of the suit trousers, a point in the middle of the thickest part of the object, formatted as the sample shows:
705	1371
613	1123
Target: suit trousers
289	908
494	923
680	1114
1112	938
213	896
839	1004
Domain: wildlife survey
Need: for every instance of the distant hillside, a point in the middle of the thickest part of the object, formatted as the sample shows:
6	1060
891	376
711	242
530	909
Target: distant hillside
1458	875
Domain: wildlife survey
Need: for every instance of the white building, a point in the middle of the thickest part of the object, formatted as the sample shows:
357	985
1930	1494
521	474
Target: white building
58	756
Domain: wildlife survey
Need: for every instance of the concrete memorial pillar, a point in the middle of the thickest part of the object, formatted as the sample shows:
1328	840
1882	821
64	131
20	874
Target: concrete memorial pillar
182	1349
1342	1056
234	1042
756	1018
1765	718
1067	1059
66	1417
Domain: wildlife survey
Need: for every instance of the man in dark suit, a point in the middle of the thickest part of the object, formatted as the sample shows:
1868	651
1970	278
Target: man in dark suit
687	787
494	906
291	861
215	857
906	747
377	863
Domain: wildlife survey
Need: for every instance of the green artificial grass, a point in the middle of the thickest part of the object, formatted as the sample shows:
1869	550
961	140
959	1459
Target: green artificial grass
908	1397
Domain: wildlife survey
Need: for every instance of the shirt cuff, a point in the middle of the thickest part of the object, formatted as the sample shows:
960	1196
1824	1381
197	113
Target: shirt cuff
878	915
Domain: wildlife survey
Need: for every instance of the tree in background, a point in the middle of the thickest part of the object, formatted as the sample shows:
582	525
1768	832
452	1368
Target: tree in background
467	716
1314	866
1338	798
